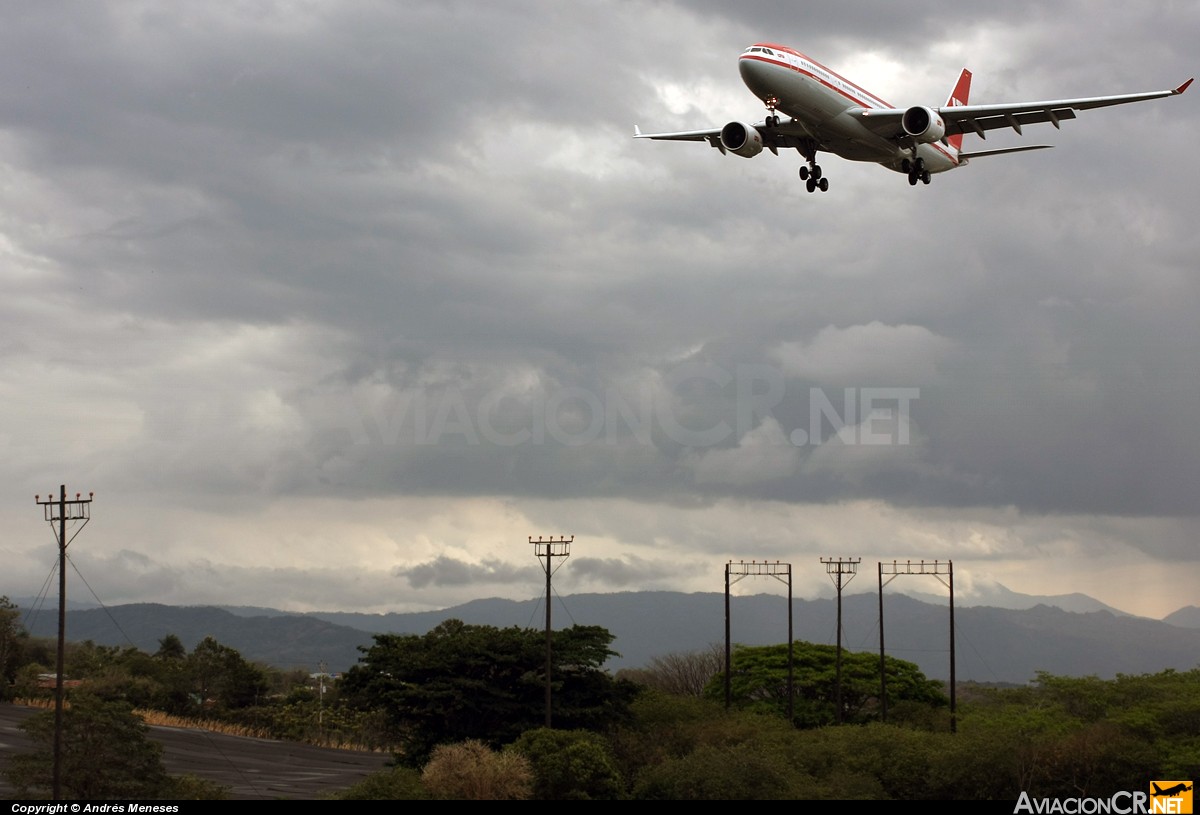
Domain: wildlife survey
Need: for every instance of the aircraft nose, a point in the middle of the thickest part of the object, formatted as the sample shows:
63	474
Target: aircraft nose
755	74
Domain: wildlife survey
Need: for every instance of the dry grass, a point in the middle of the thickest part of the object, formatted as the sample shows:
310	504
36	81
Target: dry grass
156	718
45	704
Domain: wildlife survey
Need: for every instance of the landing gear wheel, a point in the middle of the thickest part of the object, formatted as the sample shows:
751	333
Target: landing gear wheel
772	116
812	175
924	176
912	178
919	166
906	166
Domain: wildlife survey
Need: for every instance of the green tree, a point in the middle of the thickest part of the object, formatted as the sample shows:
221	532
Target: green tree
570	765
220	675
759	680
105	754
84	660
171	648
392	784
12	638
1069	736
461	682
736	758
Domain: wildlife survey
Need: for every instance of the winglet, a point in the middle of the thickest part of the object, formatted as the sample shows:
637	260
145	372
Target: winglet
1182	87
637	131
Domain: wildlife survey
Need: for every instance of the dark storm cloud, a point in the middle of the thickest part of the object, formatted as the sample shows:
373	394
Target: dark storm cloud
448	571
879	23
615	573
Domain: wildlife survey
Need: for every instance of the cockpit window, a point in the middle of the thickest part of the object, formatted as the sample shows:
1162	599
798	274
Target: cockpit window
768	51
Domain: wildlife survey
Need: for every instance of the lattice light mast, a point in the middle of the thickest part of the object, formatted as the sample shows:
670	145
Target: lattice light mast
781	572
841	572
549	549
58	512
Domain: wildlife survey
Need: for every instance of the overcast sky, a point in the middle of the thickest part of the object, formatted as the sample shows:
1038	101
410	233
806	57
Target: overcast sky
333	305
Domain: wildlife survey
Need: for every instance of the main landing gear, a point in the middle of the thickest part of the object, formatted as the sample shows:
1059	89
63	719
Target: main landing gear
812	175
813	178
916	171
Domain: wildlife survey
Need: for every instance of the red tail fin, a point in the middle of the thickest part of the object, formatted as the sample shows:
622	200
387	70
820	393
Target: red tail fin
959	96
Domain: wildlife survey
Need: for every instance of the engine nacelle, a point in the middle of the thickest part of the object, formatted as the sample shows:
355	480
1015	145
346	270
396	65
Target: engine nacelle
923	124
741	139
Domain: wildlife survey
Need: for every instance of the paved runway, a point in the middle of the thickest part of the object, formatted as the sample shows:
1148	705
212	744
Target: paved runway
252	768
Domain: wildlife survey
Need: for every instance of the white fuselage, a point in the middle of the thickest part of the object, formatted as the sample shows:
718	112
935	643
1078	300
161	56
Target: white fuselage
820	101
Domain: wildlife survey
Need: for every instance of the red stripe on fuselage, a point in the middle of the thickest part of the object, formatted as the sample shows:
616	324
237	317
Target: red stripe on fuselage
798	69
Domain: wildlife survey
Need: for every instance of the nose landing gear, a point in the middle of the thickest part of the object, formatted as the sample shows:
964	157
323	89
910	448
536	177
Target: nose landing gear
772	116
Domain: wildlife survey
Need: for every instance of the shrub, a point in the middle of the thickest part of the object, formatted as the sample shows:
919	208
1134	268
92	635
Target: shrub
471	770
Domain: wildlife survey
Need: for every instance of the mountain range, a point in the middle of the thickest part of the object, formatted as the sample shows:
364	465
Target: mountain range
992	644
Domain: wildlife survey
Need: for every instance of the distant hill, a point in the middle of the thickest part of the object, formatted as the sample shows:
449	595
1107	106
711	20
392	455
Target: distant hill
993	644
998	596
1186	617
285	641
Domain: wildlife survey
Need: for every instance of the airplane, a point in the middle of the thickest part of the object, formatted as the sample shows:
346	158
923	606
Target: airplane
1170	791
829	113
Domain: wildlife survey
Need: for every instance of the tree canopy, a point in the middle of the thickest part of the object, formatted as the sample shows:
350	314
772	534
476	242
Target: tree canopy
220	673
461	682
106	754
12	635
759	679
573	765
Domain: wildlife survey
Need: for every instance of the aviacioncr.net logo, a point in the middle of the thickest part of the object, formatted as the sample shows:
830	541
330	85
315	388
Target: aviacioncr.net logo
1163	798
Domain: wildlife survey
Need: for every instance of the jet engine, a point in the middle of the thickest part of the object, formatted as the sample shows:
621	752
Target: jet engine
741	139
923	124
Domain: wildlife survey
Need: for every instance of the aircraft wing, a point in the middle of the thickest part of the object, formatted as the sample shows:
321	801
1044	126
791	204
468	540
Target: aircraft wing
682	135
970	154
788	134
979	119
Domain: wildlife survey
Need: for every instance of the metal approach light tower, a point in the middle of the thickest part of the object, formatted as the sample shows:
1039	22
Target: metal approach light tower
781	572
841	572
59	511
937	569
549	549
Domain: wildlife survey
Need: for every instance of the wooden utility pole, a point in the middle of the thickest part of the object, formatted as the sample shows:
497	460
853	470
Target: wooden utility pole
57	512
550	549
838	569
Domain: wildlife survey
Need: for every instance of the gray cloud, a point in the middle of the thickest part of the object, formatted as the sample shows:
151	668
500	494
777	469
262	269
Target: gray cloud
449	571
